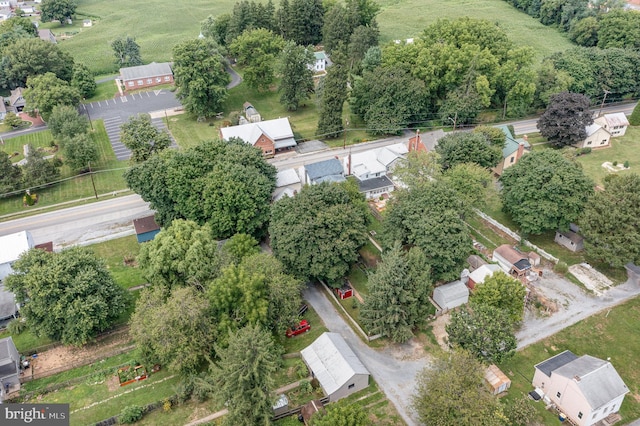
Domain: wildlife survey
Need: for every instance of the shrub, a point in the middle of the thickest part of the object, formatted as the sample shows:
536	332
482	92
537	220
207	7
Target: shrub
17	326
615	163
626	164
561	267
166	406
306	386
301	370
130	414
584	151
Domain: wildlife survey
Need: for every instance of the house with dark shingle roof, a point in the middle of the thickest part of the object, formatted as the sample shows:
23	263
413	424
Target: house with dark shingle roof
586	389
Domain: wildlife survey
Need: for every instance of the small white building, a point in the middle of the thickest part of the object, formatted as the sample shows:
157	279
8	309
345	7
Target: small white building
597	137
482	273
337	368
451	295
616	124
322	61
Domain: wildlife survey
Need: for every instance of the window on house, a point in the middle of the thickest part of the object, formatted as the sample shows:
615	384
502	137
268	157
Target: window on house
580	415
604	141
513	159
589	143
149	81
140	82
167	78
352	385
131	83
158	80
558	394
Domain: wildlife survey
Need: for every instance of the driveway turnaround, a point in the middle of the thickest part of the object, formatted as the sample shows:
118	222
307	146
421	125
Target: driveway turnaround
394	368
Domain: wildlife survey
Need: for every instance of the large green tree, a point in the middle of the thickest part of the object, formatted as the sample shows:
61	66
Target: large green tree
200	76
45	92
83	80
484	331
10	175
634	118
332	98
80	151
66	122
38	171
257	50
29	57
175	331
544	191
68	296
244	376
341	413
317	233
227	184
304	22
472	182
182	254
566	118
143	138
57	10
394	305
452	391
619	28
457	148
15	28
418	168
429	216
296	82
503	292
609	222
126	52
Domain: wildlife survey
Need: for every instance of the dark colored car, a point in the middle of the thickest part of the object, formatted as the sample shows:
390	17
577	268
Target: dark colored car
302	327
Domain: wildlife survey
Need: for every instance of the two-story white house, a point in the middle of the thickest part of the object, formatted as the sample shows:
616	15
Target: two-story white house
616	124
371	168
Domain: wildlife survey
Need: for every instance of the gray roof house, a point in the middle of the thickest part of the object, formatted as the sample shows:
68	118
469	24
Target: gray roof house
9	368
324	171
337	368
269	135
451	295
586	389
142	76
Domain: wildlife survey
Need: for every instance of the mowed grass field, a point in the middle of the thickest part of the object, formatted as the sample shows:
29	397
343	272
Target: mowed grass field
159	25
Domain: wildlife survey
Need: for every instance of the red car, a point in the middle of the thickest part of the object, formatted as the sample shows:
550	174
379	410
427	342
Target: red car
303	327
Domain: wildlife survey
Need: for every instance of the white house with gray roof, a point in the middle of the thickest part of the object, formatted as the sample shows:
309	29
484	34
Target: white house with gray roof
616	124
371	168
586	389
337	368
142	76
323	171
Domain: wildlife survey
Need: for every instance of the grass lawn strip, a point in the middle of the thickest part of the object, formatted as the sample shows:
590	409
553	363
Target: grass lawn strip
114	252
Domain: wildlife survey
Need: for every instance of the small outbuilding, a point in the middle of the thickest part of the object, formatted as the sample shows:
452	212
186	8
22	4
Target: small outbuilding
146	228
337	368
451	295
497	381
251	113
281	405
569	239
482	273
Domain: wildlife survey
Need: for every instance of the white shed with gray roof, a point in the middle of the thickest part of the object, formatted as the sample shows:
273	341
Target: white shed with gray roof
451	295
337	368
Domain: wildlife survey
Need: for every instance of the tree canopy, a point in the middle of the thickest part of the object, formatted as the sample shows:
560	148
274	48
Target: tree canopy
200	76
332	98
472	182
296	83
66	122
544	191
143	138
10	175
29	57
57	10
83	80
227	184
257	50
609	222
79	151
67	296
566	118
458	148
45	92
503	292
341	413
38	170
317	233
126	52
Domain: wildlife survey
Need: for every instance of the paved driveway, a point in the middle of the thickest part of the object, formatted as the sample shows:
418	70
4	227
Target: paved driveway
394	369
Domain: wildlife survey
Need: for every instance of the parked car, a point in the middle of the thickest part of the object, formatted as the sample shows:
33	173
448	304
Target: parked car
302	327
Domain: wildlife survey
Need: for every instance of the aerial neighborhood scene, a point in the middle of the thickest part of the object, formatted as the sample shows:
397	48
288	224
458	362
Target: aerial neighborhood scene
320	212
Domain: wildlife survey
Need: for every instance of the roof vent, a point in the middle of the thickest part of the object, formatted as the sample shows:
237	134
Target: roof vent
576	378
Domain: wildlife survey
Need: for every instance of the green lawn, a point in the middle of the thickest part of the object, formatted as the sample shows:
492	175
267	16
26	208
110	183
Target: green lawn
611	334
622	149
301	341
180	414
114	253
104	91
188	132
108	176
26	341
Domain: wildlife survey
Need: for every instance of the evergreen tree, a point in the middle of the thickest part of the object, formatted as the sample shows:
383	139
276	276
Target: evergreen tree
296	84
10	175
334	93
305	22
83	80
38	171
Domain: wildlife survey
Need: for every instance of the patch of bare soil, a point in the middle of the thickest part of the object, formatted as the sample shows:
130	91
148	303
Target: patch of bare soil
113	384
439	332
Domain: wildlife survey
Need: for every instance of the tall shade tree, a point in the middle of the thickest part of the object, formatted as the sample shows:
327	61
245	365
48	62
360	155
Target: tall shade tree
609	222
257	50
619	28
45	92
83	80
458	148
544	191
333	96
66	122
38	171
452	391
10	175
317	233
244	376
418	168
68	296
143	138
80	151
57	10
429	216
174	331
15	28
393	306
473	184
484	331
566	118
227	184
200	76
296	82
305	22
183	254
29	57
503	292
126	52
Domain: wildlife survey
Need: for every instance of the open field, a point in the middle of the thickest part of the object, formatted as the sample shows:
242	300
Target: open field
108	176
608	334
148	21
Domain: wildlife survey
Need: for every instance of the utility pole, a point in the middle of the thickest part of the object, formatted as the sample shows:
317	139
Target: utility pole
344	133
604	98
92	181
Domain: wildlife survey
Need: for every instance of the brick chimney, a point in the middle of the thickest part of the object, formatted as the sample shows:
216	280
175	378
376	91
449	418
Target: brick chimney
520	151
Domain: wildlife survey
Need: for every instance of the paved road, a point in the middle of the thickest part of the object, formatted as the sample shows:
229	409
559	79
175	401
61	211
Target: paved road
235	77
394	369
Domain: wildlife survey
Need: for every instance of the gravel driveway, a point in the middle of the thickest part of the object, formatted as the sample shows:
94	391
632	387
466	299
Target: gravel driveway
574	305
394	369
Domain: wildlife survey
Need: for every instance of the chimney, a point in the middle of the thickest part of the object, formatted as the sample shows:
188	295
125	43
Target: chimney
520	151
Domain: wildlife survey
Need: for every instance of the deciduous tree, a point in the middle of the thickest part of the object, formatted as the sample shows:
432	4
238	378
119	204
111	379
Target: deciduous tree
544	191
13	120
65	122
457	148
10	175
175	331
67	296
28	57
342	413
619	28
257	50
317	233
16	28
609	222
83	80
143	138
452	391
296	83
79	151
38	171
418	168
565	120
483	330
634	119
502	292
45	92
472	182
57	10
244	376
126	51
